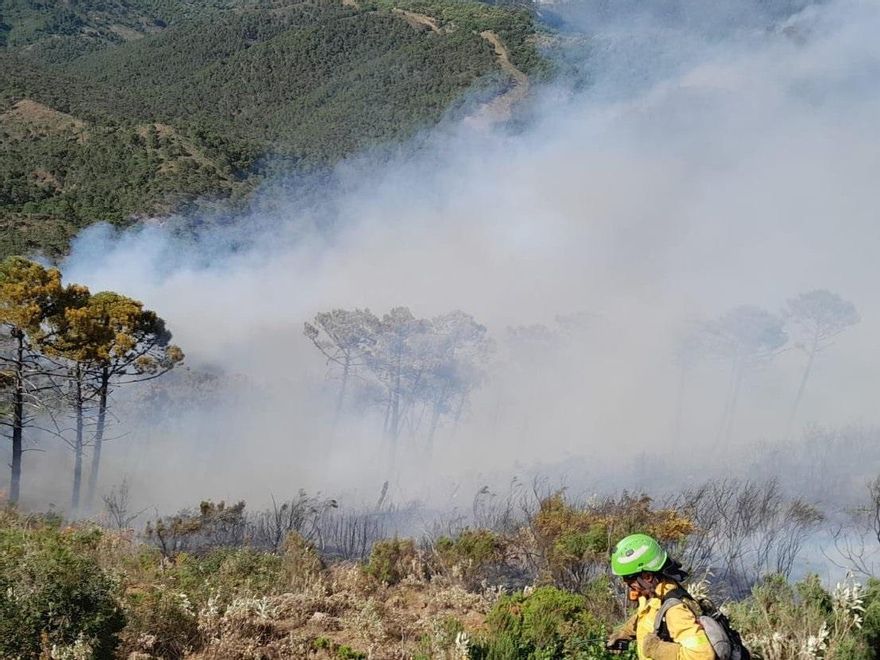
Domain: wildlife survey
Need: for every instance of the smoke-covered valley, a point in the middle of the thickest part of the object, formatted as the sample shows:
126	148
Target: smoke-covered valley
696	161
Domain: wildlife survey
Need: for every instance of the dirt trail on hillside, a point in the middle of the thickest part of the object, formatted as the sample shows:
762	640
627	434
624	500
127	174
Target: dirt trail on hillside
419	21
500	108
504	58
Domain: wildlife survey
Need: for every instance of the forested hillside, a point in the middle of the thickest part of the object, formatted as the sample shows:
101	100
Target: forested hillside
110	111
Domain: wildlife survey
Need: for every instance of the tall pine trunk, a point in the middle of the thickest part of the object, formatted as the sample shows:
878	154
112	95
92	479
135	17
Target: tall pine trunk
459	410
803	385
78	442
17	420
729	400
387	415
99	435
394	411
395	403
435	418
341	398
737	386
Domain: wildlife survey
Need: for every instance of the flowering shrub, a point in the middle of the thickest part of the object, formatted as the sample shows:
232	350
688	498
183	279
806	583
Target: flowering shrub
805	621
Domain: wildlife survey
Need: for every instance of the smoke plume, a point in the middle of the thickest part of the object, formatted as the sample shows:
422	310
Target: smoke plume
703	156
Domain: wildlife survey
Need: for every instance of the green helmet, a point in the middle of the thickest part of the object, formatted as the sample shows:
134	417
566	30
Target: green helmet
637	553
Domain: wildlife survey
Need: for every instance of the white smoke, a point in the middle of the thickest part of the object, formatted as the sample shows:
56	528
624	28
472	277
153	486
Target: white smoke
726	159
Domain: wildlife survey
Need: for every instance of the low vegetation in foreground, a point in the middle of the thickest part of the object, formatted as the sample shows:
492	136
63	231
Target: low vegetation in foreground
305	579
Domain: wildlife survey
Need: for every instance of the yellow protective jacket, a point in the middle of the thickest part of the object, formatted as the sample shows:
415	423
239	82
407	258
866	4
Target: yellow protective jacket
689	640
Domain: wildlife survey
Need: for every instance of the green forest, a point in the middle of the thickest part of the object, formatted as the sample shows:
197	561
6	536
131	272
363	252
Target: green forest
120	110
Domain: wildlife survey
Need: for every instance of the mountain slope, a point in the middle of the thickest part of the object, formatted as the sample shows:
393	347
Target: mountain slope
176	105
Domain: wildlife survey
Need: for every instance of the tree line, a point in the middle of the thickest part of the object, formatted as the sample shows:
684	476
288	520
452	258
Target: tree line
418	373
63	351
749	337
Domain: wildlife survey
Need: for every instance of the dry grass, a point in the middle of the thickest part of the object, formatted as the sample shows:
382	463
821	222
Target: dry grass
341	608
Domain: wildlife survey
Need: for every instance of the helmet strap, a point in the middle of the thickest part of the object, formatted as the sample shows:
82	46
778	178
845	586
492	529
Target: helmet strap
648	587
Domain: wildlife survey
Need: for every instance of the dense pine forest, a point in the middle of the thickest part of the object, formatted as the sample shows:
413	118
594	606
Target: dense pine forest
115	111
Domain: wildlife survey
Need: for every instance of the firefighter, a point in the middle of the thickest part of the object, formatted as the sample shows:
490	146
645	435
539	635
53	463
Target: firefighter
650	575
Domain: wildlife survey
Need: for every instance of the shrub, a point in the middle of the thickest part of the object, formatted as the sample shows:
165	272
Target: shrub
470	556
347	653
601	595
812	594
341	651
161	622
301	563
53	593
548	623
871	623
804	621
391	560
224	574
247	571
446	634
164	616
573	542
569	542
239	628
853	648
215	525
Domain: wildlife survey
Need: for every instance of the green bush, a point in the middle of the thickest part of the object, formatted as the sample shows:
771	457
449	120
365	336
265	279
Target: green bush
813	594
163	617
470	556
477	546
391	560
572	541
161	622
226	573
345	652
341	651
54	593
780	621
853	648
605	605
871	623
548	623
442	639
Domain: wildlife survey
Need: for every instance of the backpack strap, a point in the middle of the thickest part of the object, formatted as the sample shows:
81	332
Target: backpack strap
669	600
679	593
660	619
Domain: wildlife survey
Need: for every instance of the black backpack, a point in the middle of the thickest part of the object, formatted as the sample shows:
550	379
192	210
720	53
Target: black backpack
725	641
